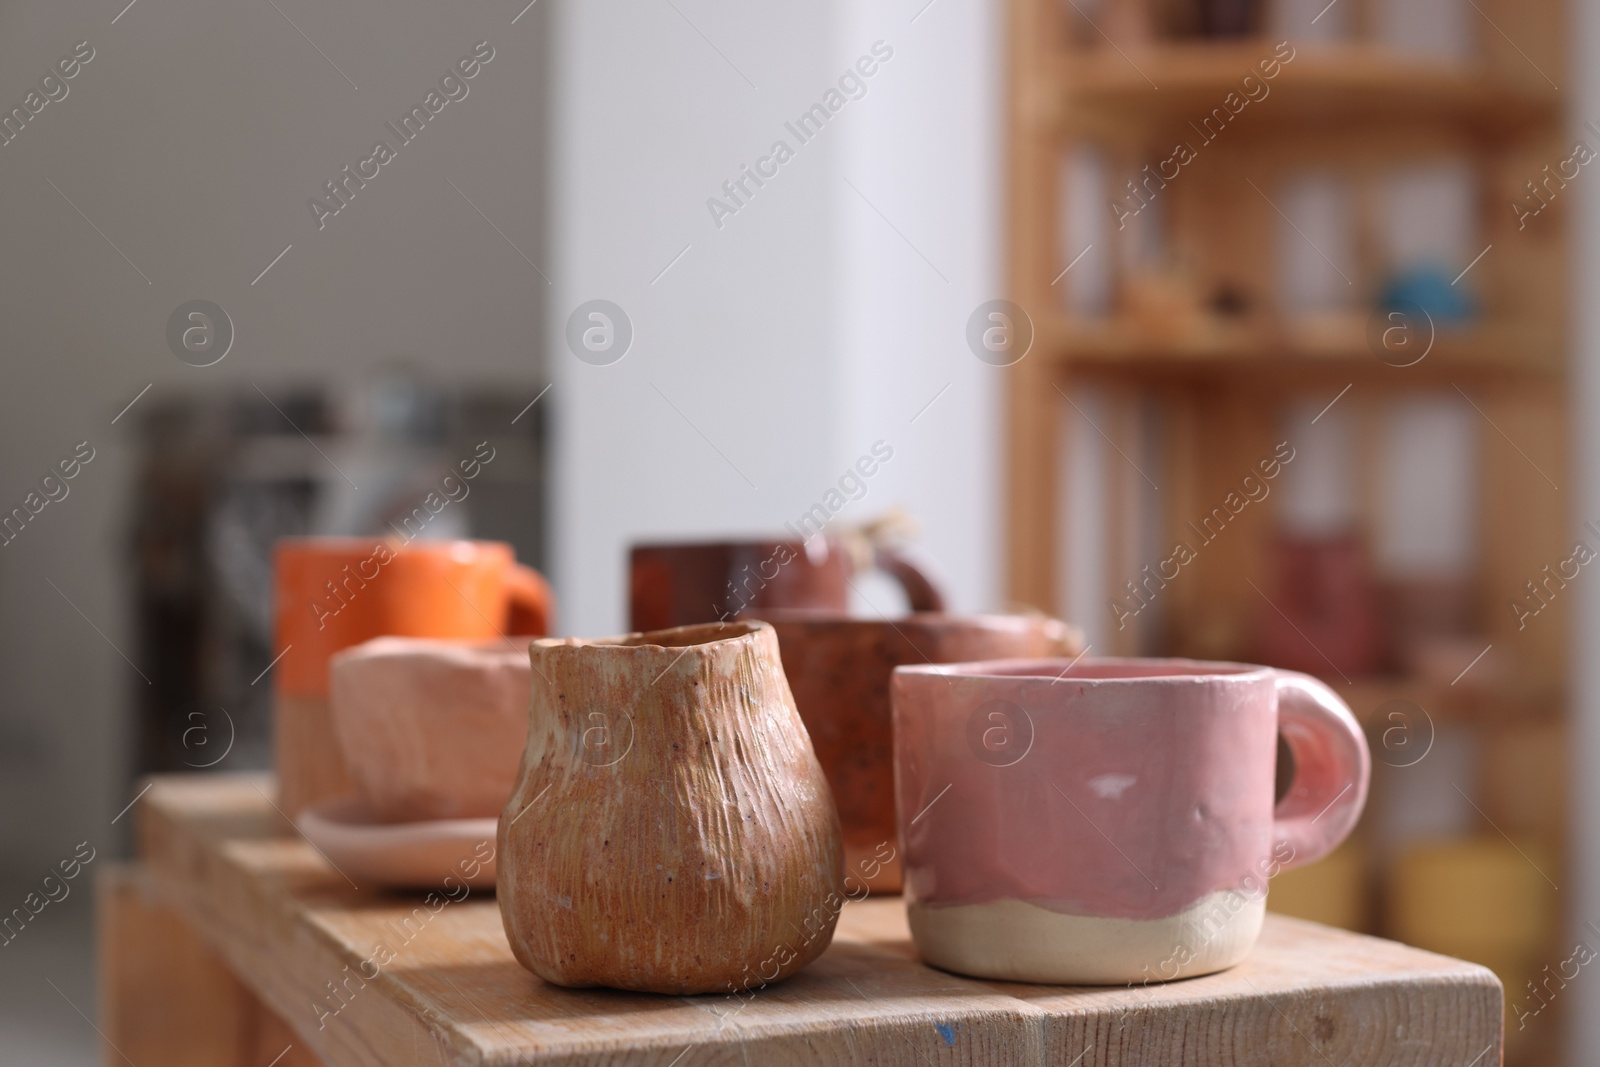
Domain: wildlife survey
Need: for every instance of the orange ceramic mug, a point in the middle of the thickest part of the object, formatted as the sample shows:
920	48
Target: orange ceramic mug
334	592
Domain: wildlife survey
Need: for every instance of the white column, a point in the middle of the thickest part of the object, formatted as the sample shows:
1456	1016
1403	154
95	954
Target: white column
922	222
718	419
796	330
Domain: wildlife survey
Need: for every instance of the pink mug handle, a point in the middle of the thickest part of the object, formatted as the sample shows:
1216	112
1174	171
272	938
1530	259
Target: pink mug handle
1331	770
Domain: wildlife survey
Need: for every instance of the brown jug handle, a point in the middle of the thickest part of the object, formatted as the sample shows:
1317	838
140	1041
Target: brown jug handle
531	606
921	591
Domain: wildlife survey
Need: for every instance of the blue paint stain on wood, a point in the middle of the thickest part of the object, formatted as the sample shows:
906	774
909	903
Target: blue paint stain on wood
947	1031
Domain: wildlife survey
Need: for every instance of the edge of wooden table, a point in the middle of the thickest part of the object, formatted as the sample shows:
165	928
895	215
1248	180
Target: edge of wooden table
216	849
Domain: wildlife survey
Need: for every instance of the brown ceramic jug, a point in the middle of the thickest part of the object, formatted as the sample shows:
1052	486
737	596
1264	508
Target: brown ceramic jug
680	584
670	830
840	667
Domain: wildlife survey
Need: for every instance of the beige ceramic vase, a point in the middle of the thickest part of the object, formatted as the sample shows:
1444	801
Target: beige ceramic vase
671	830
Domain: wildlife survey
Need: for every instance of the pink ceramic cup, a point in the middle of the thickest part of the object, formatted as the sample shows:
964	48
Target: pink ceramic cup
1110	821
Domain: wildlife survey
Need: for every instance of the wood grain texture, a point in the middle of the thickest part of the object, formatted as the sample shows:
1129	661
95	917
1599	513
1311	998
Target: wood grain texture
297	933
167	998
1032	261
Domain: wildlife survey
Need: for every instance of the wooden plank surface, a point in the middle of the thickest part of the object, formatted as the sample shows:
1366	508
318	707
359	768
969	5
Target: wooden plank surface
166	996
296	933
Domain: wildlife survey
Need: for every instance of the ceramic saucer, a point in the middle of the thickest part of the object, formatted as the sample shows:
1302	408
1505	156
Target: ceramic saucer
414	855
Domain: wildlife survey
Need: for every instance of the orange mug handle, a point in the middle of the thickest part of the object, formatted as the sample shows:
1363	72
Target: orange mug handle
531	608
1332	767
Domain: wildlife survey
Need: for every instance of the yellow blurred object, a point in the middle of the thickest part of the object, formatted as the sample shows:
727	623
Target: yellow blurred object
1479	898
1488	901
1332	891
1525	777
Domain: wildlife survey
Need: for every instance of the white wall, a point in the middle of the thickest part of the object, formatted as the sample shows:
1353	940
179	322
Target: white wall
925	153
804	328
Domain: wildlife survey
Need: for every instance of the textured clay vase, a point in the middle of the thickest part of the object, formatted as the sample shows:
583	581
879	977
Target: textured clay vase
671	830
839	668
1111	821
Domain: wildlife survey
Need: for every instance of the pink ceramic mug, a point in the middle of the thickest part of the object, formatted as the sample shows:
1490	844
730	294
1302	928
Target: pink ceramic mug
1111	820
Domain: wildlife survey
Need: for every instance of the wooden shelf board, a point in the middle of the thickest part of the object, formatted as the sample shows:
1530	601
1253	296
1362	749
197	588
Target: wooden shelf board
1340	84
1446	703
1216	349
287	924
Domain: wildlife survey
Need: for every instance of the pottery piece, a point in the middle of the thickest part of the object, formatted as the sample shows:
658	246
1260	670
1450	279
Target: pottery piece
334	592
1110	821
1323	613
375	853
1229	18
432	729
682	584
839	669
671	830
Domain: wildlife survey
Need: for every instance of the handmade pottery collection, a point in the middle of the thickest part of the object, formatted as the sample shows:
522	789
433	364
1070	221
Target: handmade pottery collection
661	812
839	667
671	827
1110	821
334	592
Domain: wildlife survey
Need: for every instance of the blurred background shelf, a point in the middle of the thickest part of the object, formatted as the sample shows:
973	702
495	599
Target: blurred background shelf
1339	346
1329	85
1223	443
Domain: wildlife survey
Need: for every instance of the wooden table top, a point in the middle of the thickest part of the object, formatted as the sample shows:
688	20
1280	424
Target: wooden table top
296	932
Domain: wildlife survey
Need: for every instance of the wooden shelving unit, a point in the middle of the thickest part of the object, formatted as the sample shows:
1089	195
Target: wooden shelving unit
1218	377
1332	349
1334	85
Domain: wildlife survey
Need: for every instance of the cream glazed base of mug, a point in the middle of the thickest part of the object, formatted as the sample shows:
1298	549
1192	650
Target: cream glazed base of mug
1014	941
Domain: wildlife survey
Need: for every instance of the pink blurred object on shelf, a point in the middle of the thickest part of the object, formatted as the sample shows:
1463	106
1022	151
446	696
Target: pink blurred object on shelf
1469	662
1323	610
